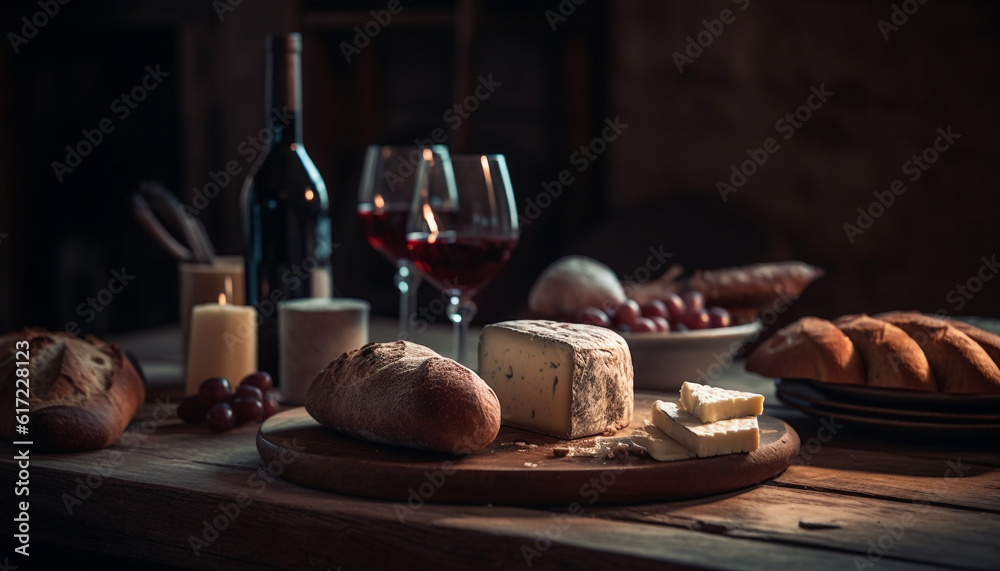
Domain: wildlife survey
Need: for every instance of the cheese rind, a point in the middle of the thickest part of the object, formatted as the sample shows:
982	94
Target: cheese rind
706	438
713	403
563	379
660	446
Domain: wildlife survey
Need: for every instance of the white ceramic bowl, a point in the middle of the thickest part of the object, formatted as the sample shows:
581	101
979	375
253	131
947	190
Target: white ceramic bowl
662	361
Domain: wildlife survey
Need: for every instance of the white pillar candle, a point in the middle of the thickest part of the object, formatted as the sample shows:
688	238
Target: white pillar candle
223	343
313	332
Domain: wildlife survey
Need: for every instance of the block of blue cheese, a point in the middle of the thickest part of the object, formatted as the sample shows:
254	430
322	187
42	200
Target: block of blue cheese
563	379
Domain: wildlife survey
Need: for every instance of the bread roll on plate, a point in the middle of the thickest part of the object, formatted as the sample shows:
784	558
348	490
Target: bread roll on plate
959	364
893	359
405	394
810	348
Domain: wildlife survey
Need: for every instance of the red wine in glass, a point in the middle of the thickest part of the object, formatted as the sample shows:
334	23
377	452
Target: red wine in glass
463	263
385	229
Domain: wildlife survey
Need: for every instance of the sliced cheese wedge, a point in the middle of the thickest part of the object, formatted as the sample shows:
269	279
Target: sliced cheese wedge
706	438
714	403
660	446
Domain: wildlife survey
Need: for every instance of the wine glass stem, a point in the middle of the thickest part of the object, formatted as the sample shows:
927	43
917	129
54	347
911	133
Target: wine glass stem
461	312
407	280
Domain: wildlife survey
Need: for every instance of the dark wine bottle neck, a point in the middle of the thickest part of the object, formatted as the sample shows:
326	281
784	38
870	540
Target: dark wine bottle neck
283	105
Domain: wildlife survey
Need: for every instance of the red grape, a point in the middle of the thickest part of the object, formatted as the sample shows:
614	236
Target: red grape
220	417
697	319
719	317
654	308
214	390
247	409
249	391
593	316
260	379
626	313
693	301
644	325
270	406
661	323
675	308
192	410
622	328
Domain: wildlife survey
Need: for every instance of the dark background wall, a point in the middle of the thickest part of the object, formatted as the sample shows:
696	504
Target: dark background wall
656	184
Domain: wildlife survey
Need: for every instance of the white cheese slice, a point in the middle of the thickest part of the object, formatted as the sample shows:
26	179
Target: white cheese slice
563	379
660	446
706	438
714	403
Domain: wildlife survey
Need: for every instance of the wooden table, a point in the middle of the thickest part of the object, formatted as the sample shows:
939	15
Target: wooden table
850	501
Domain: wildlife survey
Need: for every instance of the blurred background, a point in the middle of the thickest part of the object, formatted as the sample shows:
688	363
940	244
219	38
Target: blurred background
692	111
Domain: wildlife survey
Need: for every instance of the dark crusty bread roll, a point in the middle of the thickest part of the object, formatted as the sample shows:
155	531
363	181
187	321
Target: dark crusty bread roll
83	393
892	359
810	348
405	394
959	364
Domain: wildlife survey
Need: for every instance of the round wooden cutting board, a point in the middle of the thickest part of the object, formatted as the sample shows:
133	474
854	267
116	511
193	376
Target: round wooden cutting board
518	468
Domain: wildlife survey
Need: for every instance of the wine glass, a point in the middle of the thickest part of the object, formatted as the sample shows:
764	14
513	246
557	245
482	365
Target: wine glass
462	229
384	199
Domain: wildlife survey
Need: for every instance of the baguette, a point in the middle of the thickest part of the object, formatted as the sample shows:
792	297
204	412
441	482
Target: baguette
83	393
810	348
959	364
891	357
405	394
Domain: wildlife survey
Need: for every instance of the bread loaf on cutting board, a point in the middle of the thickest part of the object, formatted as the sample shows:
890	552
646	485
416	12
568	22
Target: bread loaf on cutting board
405	394
83	393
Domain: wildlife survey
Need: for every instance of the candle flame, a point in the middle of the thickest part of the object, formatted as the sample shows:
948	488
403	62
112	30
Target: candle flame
431	224
379	201
222	299
310	194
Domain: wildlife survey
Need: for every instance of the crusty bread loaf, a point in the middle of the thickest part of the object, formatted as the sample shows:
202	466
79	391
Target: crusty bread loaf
405	394
757	285
892	359
990	342
83	393
959	364
810	348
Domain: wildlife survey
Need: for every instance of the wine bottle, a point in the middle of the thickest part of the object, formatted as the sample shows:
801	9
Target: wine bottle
285	205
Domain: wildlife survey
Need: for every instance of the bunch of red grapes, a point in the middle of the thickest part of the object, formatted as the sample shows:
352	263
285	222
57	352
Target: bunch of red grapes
672	312
223	408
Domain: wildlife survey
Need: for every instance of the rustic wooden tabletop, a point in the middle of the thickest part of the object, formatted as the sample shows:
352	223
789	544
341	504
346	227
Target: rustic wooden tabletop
170	494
